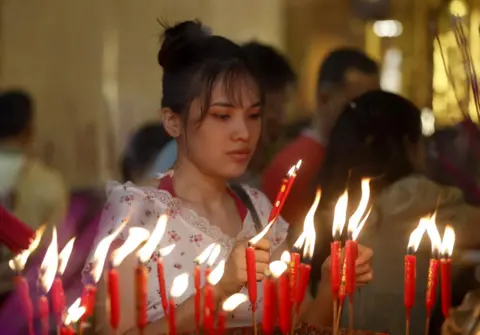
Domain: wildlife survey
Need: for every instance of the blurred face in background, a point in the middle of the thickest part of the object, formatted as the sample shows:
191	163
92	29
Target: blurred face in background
275	113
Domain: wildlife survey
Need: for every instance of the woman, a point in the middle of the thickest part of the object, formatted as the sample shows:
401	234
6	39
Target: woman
212	107
379	136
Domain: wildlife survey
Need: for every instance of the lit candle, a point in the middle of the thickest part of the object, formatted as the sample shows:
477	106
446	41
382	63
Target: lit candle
283	192
179	286
48	269
17	264
411	269
74	313
141	271
228	306
209	308
58	295
294	265
433	267
136	236
445	269
268	304
202	258
161	276
280	274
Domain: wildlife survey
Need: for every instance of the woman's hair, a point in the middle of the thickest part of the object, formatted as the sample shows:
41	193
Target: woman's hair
193	60
142	149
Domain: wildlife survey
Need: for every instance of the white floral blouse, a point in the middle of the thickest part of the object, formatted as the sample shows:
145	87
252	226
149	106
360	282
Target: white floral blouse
188	231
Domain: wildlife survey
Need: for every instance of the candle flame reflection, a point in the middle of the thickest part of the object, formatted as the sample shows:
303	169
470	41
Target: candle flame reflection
136	236
216	274
179	285
65	256
285	257
202	258
49	264
340	215
19	261
74	312
448	242
354	221
277	268
214	255
233	302
147	250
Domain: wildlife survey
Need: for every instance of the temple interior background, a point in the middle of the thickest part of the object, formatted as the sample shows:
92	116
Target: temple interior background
91	65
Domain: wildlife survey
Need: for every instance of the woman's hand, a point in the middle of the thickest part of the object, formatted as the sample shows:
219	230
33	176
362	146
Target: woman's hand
363	266
235	275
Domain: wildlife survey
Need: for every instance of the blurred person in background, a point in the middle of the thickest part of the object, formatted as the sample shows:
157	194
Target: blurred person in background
344	74
149	152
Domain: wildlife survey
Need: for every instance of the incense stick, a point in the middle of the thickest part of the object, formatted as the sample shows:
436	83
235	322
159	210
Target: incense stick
335	307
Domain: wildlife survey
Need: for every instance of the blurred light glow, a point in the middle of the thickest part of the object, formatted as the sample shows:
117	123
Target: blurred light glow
388	28
458	8
428	122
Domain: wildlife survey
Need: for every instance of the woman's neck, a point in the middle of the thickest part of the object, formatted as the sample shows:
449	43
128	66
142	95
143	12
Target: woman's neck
194	186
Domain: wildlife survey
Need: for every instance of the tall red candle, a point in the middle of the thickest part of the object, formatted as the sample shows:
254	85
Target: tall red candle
141	279
114	295
251	277
64	330
161	285
294	265
25	301
284	299
58	299
197	283
209	309
44	311
432	285
303	278
446	285
351	257
285	187
268	321
172	329
222	322
89	294
335	276
410	282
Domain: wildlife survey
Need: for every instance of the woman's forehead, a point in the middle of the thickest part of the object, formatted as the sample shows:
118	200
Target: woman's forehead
240	91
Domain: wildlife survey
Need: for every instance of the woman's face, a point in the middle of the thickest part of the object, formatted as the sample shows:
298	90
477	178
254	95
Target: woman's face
222	144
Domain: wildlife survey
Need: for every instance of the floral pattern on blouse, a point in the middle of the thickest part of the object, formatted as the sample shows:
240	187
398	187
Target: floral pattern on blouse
188	231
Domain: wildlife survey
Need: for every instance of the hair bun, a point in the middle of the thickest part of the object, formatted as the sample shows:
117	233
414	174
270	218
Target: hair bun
178	35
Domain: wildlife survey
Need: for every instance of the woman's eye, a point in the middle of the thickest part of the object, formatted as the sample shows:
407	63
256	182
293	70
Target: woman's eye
222	117
256	116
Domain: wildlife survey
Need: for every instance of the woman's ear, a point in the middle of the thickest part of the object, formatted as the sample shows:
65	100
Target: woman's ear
172	122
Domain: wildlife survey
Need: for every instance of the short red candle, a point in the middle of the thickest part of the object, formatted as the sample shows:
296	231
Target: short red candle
432	285
209	309
44	311
351	258
197	282
446	285
113	293
303	279
66	331
161	285
25	301
172	329
284	299
88	300
222	321
335	267
58	300
410	282
141	279
294	264
251	277
268	305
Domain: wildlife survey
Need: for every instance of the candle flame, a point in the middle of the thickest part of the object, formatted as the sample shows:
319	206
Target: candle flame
434	235
300	241
202	258
355	219
357	231
233	302
309	226
216	274
101	251
147	250
285	257
340	215
277	268
260	235
136	236
448	242
417	234
74	312
214	255
294	169
179	285
64	256
167	250
19	261
299	164
49	264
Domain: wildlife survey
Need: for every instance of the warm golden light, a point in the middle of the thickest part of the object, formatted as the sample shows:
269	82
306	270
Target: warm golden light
357	230
48	269
458	8
216	274
355	219
179	285
434	235
167	250
277	268
202	258
233	302
136	236
309	227
101	251
214	255
147	250
285	257
340	215
19	261
260	235
448	242
74	312
417	234
65	256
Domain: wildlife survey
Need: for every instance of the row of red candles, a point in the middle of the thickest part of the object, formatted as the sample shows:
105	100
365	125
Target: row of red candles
136	236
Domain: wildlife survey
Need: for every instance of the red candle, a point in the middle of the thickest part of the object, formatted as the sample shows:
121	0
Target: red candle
303	278
88	300
161	285
58	300
445	269
179	286
268	305
141	279
432	285
410	282
283	192
342	291
66	331
251	277
113	293
335	267
43	311
197	283
172	329
209	309
351	251
222	321
294	265
25	301
284	298
229	305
